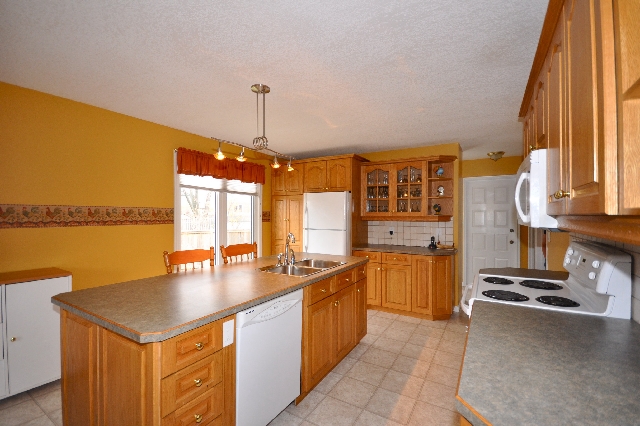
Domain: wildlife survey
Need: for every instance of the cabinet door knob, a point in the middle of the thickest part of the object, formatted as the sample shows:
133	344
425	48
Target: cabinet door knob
198	382
336	303
532	148
199	346
358	290
561	194
198	417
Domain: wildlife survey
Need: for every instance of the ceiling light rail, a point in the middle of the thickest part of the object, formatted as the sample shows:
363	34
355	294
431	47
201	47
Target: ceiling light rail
242	157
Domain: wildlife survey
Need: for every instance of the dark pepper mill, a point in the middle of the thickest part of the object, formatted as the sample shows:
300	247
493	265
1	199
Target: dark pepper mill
433	243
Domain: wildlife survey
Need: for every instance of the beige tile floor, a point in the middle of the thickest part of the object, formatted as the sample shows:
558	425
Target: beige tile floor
41	406
404	372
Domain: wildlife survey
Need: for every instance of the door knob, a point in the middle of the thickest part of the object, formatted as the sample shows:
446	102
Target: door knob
511	242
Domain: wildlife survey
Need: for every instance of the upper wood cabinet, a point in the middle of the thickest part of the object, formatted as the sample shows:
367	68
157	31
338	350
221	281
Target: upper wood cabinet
569	107
627	33
284	182
286	217
330	175
420	189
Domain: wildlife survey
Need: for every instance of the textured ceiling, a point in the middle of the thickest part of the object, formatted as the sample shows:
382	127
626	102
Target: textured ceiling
345	76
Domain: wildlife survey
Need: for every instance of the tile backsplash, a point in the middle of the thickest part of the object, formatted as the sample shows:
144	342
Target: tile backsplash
634	251
416	234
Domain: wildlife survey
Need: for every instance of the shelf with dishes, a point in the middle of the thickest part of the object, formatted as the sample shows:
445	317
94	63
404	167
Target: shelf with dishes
406	189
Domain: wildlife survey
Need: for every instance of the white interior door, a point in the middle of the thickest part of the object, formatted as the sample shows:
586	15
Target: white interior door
490	224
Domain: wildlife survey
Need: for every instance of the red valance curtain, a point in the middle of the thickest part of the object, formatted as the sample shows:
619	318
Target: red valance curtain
198	163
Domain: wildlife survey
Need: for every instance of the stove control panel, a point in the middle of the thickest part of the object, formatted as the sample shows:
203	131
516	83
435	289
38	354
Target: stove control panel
596	266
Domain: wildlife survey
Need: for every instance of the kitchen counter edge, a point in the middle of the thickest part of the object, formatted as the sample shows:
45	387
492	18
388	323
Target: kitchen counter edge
424	251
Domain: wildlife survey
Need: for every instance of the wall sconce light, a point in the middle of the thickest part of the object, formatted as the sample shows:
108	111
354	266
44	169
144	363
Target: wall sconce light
275	163
241	158
289	167
219	155
495	156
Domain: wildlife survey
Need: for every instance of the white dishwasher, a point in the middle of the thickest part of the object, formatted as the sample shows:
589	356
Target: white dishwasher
268	354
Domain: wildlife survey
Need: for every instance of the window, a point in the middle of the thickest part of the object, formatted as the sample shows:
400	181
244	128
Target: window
216	212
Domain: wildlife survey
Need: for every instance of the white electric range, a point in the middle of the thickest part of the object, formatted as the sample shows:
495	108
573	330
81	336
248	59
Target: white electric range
598	282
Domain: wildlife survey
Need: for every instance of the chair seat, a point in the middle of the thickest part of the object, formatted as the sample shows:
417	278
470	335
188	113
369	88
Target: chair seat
236	252
184	257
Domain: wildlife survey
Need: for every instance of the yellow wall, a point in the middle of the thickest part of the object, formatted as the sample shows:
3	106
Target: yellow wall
57	151
488	167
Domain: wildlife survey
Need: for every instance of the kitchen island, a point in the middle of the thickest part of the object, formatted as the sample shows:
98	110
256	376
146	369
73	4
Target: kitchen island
131	352
530	366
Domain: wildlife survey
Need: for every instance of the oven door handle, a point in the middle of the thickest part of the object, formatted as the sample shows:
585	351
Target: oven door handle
465	308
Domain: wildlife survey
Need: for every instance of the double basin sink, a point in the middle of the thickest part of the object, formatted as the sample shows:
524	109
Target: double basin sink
303	267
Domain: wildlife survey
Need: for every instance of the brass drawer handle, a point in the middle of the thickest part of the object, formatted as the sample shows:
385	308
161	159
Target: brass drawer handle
198	417
358	290
199	346
561	194
346	279
324	290
198	382
336	303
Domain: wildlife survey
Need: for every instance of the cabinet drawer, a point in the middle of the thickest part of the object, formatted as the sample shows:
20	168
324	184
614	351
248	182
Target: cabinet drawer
192	346
373	256
183	386
204	410
397	258
361	272
345	279
318	291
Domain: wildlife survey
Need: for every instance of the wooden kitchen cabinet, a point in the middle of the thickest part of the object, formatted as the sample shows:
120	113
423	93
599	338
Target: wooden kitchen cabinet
396	281
410	190
329	175
414	284
431	286
284	182
286	217
111	380
333	322
570	102
627	32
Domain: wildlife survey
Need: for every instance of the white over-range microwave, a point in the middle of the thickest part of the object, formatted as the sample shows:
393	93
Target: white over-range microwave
531	192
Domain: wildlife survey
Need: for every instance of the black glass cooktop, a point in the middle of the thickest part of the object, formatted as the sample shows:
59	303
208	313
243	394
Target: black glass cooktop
541	285
510	296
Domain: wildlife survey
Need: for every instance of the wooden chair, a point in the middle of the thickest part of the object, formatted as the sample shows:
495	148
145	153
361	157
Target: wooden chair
185	257
232	252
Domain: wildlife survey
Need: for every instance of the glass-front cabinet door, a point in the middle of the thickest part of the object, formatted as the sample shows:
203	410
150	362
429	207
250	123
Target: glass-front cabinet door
409	178
377	191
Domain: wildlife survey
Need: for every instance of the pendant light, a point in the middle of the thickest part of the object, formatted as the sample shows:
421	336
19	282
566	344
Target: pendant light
275	163
260	142
219	155
289	166
241	158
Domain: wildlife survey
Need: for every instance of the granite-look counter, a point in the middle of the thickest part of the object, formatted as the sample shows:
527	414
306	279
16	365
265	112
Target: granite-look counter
157	308
525	366
424	251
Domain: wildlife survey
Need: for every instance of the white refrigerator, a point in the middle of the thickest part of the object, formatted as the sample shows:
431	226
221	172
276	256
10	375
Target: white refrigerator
326	223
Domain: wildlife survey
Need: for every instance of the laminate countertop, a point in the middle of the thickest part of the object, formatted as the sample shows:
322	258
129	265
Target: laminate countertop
525	366
388	248
157	308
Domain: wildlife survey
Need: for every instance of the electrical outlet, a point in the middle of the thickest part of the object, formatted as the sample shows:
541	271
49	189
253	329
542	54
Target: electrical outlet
391	230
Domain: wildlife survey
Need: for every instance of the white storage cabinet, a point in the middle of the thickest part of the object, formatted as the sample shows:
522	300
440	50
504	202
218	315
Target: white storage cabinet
30	328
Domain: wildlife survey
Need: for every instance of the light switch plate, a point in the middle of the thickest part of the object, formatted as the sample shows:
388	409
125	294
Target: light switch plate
227	332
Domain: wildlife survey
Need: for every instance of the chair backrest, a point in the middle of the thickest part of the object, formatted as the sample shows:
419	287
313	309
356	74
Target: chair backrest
232	252
185	257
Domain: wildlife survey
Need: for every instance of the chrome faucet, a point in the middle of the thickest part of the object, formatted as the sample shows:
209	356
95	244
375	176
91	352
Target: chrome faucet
290	239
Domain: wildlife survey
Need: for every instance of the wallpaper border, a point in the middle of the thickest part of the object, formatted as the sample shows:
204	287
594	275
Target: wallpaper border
48	216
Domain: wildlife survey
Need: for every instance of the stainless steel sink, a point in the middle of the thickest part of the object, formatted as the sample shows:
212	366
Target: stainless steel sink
303	267
295	270
317	263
